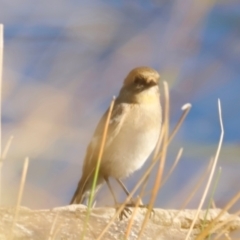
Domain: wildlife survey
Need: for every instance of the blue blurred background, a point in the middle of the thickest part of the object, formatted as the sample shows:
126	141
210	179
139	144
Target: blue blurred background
63	62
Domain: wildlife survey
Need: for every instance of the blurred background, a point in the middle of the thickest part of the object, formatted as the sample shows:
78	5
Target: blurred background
63	62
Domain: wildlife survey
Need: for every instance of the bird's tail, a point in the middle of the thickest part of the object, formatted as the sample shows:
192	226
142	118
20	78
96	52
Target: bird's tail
84	188
78	196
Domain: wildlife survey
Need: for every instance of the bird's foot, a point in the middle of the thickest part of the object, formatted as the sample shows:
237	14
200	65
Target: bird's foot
127	210
124	213
145	206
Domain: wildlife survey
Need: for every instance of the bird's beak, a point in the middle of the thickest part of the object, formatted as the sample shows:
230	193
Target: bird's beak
151	82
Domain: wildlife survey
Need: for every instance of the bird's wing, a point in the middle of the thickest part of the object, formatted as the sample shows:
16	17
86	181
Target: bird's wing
118	115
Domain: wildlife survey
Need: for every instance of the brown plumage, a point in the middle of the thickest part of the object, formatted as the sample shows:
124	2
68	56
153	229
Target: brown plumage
133	132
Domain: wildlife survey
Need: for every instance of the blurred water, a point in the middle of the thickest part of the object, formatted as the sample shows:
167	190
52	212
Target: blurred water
63	61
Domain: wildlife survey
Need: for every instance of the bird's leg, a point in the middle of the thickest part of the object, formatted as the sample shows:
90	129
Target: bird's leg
111	190
123	186
132	201
126	209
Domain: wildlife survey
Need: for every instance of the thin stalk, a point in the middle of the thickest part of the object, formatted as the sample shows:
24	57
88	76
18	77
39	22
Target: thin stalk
51	233
20	193
226	224
161	163
1	72
211	197
98	166
5	151
211	173
212	225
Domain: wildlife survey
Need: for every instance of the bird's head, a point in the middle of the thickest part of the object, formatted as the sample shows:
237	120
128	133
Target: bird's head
141	86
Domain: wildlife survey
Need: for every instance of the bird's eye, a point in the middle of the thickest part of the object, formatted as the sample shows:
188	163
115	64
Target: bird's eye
139	81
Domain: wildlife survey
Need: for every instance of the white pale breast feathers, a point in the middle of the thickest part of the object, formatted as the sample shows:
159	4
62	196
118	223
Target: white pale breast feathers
130	140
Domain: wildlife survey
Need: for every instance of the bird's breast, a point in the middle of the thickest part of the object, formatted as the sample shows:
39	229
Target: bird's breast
134	143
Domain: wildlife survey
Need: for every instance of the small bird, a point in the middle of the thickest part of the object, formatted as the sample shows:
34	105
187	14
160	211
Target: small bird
133	132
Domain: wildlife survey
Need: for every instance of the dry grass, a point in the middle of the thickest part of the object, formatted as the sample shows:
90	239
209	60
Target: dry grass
3	156
211	172
165	141
1	69
103	141
19	198
159	156
53	231
212	165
